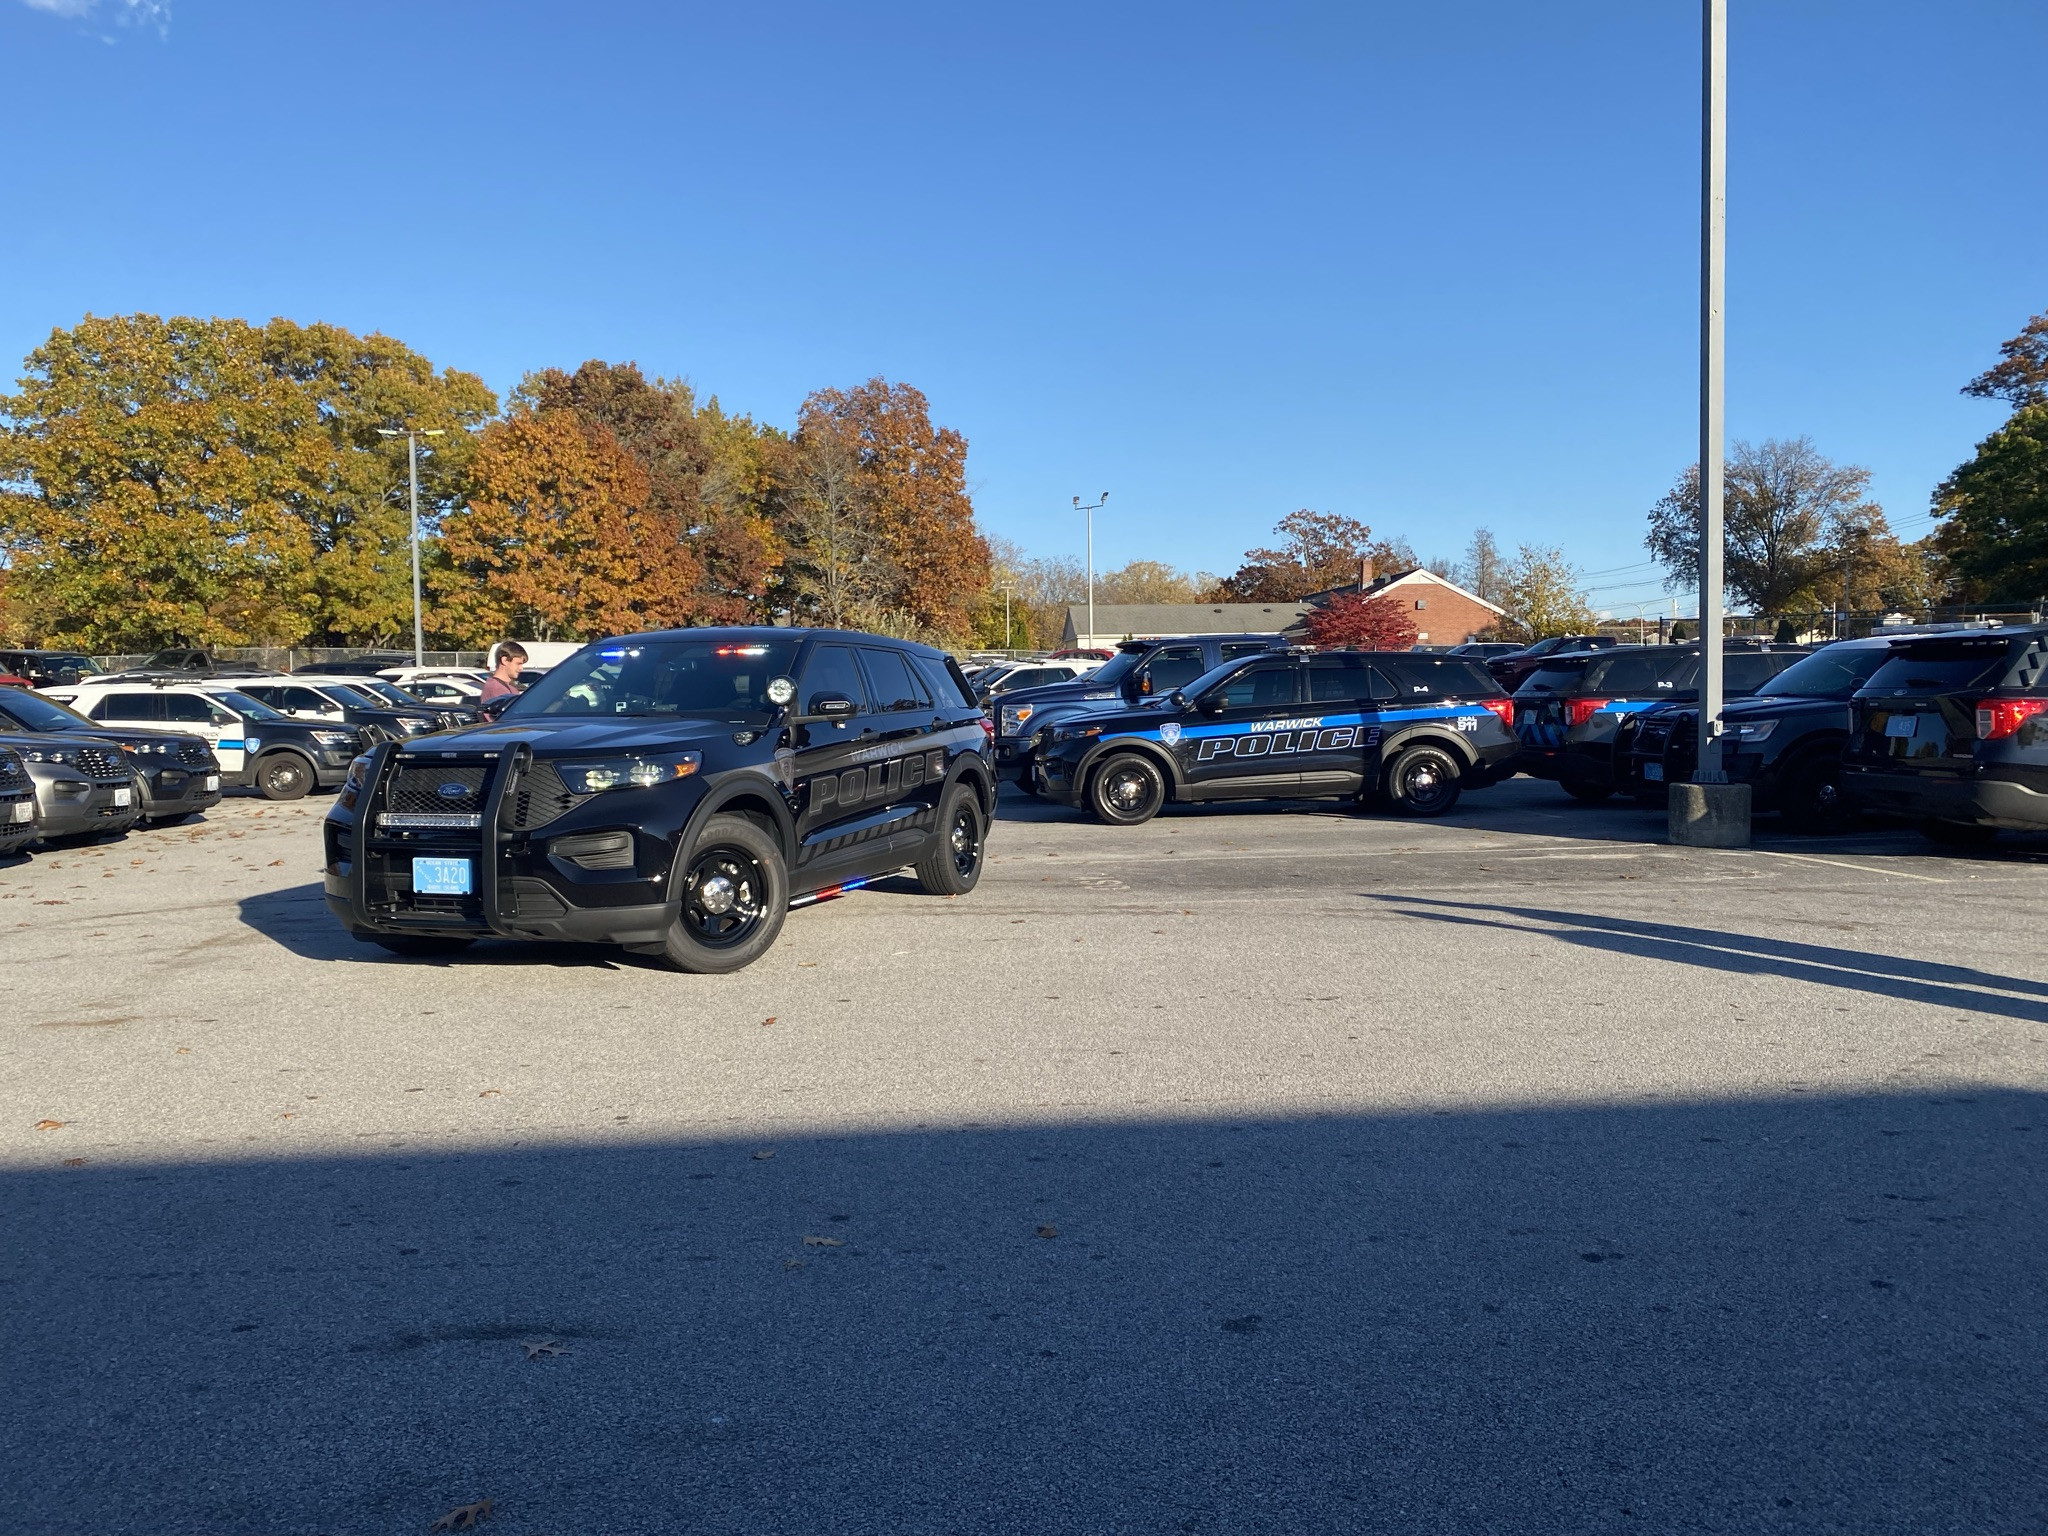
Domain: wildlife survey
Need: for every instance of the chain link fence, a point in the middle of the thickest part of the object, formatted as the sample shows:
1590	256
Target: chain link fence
282	658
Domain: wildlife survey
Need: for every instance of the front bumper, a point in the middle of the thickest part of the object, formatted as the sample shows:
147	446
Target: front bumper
180	791
17	831
67	813
1976	800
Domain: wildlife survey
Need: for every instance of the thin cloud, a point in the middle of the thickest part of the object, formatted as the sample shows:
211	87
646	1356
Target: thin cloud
154	14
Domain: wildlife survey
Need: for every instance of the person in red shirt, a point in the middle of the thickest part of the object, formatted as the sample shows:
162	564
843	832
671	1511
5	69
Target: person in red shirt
502	686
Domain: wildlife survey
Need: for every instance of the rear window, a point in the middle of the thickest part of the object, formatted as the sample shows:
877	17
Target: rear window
1555	676
1940	667
942	675
1633	672
1451	677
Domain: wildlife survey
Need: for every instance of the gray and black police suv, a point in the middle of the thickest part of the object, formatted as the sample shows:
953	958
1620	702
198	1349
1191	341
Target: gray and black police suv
1408	730
675	793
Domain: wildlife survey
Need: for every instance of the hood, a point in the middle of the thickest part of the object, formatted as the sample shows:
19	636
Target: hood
579	738
1077	691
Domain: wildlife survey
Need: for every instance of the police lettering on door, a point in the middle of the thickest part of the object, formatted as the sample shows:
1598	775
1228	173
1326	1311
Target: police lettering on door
1279	738
877	781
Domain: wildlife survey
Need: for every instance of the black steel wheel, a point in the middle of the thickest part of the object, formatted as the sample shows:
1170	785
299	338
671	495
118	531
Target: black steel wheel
733	893
1423	782
953	867
1813	799
283	776
1127	790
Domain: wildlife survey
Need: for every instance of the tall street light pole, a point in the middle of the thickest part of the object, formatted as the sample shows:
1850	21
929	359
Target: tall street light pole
1006	588
412	464
1090	509
1713	275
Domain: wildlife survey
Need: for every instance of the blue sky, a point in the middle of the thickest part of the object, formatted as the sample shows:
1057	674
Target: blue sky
1430	265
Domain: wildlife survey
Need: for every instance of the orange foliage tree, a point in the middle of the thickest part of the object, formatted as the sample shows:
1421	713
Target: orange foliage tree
1351	622
559	540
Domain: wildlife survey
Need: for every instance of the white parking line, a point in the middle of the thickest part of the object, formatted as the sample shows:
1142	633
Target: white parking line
1868	869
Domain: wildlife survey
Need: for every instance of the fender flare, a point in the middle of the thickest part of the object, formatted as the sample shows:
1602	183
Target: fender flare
742	785
1176	780
1424	733
973	768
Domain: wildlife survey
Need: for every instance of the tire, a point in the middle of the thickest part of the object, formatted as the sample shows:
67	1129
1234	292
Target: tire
1585	794
1127	791
954	867
734	890
1423	782
283	776
1957	834
419	946
1812	801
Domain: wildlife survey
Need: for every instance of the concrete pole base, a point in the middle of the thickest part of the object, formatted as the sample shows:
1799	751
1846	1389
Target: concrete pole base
1709	815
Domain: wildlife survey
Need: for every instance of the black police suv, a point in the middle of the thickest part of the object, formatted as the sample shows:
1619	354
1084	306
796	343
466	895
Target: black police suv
1513	669
675	793
17	803
1140	670
1952	731
48	669
341	704
176	776
1569	709
1784	741
1412	728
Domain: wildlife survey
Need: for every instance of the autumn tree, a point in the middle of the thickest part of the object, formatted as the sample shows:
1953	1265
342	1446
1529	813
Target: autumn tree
2020	376
1317	551
559	539
1040	589
1788	510
1151	581
710	474
217	483
836	567
910	479
1484	570
1543	596
1353	621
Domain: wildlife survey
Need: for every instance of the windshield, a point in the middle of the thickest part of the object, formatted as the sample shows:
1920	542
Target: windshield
721	679
250	709
1116	668
1208	679
1834	673
386	692
348	693
37	713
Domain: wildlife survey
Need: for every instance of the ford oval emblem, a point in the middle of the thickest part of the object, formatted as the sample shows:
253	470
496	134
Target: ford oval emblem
452	791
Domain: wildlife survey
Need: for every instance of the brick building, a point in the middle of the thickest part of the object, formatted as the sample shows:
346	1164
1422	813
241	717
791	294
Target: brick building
1443	612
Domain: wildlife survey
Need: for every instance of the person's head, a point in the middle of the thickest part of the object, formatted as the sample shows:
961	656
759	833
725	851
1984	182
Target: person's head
511	657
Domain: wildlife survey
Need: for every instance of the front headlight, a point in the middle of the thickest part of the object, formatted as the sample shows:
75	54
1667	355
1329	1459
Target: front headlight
1074	732
1754	730
411	726
335	738
47	755
627	772
1014	716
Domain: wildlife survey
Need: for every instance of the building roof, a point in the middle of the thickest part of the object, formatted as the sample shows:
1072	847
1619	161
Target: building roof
1379	584
1148	620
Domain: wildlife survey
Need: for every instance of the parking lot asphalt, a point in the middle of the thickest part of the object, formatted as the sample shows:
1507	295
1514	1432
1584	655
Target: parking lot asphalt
1251	1170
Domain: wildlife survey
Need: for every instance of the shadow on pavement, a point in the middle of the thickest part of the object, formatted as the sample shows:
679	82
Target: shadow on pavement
1818	1314
298	919
1858	970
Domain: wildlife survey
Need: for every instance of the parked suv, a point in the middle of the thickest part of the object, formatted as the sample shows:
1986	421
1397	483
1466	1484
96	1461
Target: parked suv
1412	728
338	703
182	661
675	793
48	669
1140	670
281	757
1952	731
1568	711
1785	741
1514	669
84	787
176	775
17	803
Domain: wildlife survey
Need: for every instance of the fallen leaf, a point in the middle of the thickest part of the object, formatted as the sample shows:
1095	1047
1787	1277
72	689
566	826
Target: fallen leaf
537	1348
462	1517
823	1242
1048	1231
51	1125
275	863
287	1115
807	965
184	1050
767	1021
490	1093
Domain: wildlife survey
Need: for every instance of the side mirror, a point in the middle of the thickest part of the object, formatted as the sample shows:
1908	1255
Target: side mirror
836	707
1177	699
1210	703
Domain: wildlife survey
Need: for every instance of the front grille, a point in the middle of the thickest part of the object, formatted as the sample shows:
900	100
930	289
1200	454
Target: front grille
12	775
101	766
540	797
194	754
417	790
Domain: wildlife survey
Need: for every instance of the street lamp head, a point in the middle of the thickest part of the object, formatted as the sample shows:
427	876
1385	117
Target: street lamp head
435	432
1077	501
389	432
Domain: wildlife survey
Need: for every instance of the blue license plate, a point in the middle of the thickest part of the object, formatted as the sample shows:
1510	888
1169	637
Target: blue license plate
441	877
1902	725
1654	772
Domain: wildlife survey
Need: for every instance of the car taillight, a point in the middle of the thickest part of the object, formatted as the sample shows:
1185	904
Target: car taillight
988	729
1997	718
1504	708
1582	710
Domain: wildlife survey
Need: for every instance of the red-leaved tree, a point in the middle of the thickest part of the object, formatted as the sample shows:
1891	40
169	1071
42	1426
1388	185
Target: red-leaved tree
1352	622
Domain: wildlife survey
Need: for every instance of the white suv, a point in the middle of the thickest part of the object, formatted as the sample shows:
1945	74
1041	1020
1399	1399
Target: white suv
256	745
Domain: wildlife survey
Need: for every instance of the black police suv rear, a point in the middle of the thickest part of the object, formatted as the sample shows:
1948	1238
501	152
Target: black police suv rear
1139	671
1413	728
1952	731
675	793
1785	741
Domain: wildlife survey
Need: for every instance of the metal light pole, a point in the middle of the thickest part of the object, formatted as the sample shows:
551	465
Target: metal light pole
1090	509
412	464
1006	588
1713	274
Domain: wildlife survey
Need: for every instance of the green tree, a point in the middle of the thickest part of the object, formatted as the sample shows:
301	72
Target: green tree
1543	596
1993	514
217	483
2020	376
